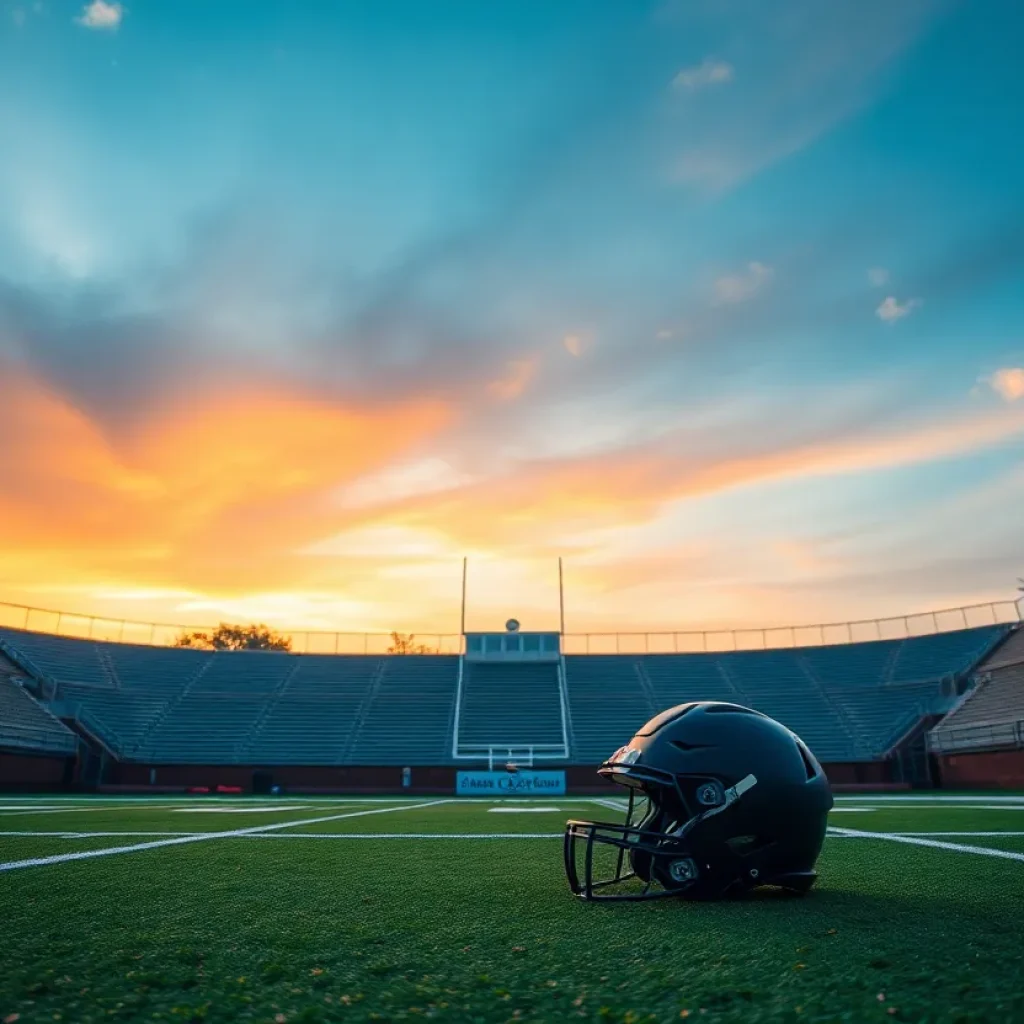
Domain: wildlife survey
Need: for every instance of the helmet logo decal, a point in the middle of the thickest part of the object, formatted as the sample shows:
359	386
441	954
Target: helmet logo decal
710	794
683	870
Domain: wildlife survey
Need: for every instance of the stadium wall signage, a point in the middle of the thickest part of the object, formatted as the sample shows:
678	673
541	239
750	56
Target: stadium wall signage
508	784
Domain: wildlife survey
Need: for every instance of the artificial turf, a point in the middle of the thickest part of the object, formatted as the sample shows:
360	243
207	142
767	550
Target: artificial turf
388	929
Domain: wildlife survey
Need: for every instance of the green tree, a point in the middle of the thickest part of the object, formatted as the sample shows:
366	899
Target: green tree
228	637
402	643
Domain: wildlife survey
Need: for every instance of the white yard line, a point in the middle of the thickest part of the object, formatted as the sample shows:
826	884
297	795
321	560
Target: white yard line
968	835
878	798
937	844
610	802
920	805
410	835
61	858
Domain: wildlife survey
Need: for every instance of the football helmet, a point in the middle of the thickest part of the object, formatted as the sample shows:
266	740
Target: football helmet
721	799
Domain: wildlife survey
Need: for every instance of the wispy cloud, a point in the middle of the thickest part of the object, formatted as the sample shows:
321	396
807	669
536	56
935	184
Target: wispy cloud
743	286
878	276
890	310
513	382
101	15
709	72
573	344
1008	383
809	68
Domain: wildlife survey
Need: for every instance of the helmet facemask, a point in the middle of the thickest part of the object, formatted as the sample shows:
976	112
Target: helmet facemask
658	850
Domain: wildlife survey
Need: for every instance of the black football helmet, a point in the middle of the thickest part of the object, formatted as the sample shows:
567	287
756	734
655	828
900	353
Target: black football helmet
721	799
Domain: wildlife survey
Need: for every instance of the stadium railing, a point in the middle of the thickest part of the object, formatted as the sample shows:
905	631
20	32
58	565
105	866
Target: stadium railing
978	736
900	627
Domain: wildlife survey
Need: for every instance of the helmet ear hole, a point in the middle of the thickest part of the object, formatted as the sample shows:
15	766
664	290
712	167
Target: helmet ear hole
710	794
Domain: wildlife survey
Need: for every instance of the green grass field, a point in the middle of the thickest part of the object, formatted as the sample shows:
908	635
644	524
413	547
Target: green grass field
350	910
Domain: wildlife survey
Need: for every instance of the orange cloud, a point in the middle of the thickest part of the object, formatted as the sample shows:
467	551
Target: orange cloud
268	503
629	485
518	374
216	493
1008	383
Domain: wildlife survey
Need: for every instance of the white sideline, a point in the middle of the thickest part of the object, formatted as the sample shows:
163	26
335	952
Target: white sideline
963	834
296	835
938	844
77	809
60	858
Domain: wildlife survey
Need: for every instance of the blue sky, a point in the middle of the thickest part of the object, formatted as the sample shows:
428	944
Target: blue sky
722	300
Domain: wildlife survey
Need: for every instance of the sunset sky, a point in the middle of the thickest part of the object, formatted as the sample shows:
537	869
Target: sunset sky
301	302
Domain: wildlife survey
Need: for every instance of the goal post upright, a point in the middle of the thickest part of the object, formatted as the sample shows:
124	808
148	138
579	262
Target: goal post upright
561	599
462	619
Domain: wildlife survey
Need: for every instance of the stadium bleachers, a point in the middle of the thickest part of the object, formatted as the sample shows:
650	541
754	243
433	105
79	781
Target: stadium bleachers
991	716
119	720
166	705
676	679
510	705
777	683
154	670
60	659
410	716
608	702
880	715
314	716
26	724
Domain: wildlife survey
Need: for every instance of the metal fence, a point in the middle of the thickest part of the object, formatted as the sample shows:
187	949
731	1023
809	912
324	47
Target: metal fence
978	736
91	627
780	637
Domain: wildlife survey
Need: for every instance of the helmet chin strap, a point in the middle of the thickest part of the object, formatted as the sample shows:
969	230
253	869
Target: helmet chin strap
732	794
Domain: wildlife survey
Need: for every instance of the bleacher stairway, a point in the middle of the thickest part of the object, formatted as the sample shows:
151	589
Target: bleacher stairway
511	711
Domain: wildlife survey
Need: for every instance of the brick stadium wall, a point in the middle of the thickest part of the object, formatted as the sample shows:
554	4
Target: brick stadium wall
425	780
33	773
999	769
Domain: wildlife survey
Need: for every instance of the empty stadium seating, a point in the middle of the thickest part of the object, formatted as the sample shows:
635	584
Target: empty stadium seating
916	659
26	724
608	702
410	716
510	705
119	720
164	705
313	718
991	716
777	683
59	658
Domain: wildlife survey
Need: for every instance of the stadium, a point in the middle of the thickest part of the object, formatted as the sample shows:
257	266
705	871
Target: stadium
279	836
937	709
710	310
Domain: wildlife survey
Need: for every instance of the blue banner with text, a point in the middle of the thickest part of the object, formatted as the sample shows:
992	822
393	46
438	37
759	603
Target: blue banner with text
521	783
